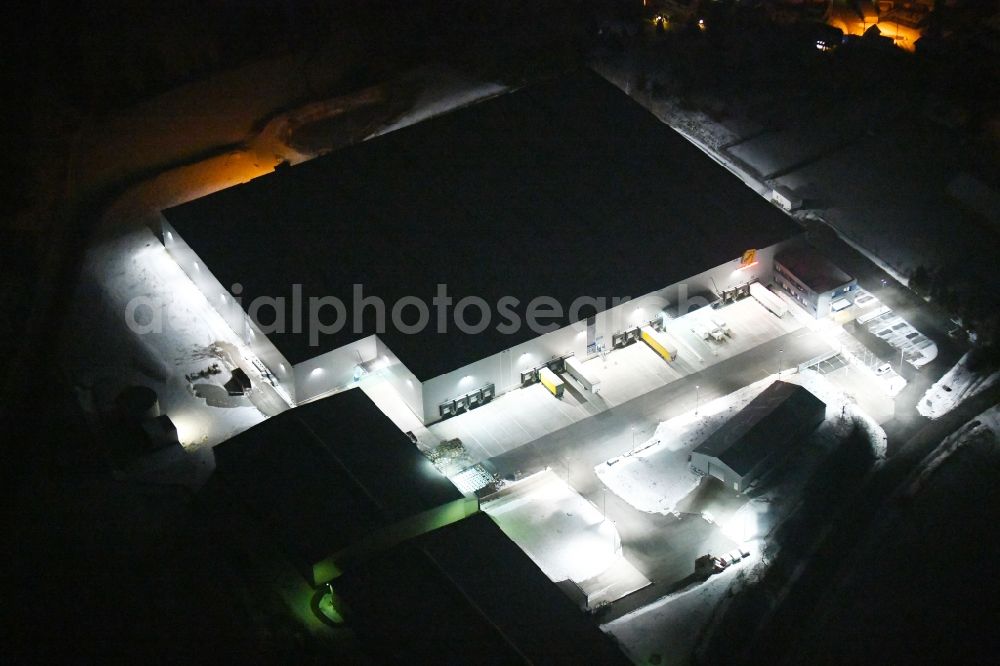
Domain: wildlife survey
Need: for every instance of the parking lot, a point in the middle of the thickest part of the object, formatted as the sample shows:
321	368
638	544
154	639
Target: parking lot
859	383
916	348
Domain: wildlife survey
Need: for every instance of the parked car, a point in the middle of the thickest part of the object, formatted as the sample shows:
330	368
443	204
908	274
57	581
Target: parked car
864	299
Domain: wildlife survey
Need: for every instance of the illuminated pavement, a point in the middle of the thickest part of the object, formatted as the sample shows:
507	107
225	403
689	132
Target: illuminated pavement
106	356
566	536
865	388
524	415
127	261
661	547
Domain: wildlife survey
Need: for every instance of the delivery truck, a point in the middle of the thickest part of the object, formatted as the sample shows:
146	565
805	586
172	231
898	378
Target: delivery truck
659	342
551	381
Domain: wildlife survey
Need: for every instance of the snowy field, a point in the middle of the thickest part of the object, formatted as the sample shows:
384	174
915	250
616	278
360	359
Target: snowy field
657	476
667	631
182	335
441	90
928	555
565	535
985	428
670	627
955	386
860	183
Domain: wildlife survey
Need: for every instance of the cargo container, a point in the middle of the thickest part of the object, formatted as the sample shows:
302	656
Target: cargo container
659	342
578	372
768	299
551	381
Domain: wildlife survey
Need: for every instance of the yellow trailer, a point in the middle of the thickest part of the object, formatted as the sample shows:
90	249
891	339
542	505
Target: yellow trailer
659	343
551	381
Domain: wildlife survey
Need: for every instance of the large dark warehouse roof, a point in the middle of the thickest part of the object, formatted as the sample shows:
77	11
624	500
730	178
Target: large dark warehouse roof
566	188
466	593
327	474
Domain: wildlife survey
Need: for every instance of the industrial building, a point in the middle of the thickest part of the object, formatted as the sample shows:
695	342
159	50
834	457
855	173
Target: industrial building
466	593
815	283
348	500
335	480
566	190
757	438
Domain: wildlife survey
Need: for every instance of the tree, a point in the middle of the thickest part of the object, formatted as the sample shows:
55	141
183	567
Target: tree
920	280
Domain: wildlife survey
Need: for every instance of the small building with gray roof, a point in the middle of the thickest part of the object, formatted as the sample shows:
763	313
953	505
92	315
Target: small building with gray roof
760	436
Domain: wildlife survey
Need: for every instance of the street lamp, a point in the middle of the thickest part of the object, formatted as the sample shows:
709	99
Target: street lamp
697	398
633	440
779	362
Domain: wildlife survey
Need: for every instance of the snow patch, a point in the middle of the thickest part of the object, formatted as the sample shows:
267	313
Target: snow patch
986	425
657	475
955	386
670	627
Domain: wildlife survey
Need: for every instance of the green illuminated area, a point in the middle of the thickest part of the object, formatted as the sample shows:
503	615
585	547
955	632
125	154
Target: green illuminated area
326	605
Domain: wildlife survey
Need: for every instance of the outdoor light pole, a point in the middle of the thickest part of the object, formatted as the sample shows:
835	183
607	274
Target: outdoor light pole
779	362
633	440
697	398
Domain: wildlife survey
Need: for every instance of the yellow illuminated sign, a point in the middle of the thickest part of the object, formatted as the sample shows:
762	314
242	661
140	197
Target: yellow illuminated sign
749	259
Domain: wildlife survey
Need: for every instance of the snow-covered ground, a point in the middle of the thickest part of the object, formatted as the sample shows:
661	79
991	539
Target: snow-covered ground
917	349
127	263
926	559
564	534
955	386
441	90
667	631
657	475
858	183
188	338
986	426
669	628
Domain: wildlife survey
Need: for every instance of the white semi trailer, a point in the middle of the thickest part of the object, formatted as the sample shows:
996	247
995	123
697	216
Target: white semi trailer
768	299
577	371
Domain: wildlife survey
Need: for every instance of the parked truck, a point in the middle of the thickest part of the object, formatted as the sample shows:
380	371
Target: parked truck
577	371
551	381
659	342
768	299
